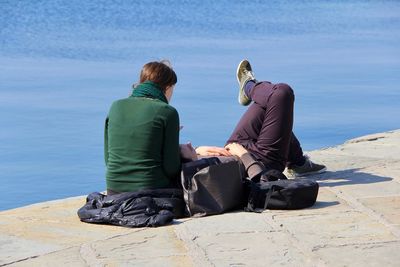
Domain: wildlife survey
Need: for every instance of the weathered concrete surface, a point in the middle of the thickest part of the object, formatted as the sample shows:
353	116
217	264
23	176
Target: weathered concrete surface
356	222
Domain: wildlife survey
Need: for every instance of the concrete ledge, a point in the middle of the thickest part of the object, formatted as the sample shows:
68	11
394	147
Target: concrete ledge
356	222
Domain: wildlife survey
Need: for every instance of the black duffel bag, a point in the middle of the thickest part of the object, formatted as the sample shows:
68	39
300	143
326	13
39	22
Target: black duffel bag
212	185
281	194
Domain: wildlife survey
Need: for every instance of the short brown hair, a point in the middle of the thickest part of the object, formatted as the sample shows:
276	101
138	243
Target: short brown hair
159	72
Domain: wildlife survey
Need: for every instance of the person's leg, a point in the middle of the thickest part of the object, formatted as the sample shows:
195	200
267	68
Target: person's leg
298	164
250	124
266	127
295	155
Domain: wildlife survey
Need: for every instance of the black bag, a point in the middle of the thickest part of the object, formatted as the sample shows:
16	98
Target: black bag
212	185
281	194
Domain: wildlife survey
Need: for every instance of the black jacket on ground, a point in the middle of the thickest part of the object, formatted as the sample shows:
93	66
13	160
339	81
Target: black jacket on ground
152	207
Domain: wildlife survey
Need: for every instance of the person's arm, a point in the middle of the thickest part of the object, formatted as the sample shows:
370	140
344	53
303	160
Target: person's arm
187	152
171	150
252	166
212	151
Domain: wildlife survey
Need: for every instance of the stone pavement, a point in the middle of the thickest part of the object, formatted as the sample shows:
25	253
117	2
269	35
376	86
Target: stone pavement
356	222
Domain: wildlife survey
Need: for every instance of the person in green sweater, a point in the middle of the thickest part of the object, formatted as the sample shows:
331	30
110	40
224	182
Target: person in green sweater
141	139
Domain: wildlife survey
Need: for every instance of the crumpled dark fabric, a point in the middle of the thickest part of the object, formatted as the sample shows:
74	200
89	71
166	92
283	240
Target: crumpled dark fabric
145	208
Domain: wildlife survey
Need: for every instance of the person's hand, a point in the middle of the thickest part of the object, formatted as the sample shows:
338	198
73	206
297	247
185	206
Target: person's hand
236	149
212	151
188	152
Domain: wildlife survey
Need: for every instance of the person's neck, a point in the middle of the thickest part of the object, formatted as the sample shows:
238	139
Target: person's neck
149	89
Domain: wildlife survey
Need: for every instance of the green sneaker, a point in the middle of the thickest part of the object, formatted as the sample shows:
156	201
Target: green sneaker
308	168
244	73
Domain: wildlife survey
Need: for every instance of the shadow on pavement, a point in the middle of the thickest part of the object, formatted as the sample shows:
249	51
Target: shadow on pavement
347	177
324	204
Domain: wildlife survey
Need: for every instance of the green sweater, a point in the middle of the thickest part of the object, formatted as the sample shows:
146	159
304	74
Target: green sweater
141	144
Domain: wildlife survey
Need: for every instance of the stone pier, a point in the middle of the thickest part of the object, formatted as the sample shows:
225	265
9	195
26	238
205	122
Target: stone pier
355	222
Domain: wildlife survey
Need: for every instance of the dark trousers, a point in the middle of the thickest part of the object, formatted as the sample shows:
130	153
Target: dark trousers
265	129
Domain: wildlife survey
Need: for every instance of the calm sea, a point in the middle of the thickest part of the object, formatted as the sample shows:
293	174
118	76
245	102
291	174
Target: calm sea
64	62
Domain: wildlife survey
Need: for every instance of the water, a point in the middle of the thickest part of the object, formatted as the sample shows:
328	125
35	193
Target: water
64	62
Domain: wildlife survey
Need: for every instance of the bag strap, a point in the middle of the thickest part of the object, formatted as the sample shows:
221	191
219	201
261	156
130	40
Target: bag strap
268	197
250	208
249	204
267	200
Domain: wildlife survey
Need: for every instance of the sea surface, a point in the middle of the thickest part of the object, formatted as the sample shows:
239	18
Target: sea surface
62	64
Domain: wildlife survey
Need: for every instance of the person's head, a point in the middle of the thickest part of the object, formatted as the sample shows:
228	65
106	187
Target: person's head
161	73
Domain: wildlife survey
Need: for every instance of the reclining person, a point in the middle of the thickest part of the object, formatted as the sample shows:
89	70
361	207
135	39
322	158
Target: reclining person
264	133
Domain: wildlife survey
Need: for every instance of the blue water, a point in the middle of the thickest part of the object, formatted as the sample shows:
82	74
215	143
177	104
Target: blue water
64	62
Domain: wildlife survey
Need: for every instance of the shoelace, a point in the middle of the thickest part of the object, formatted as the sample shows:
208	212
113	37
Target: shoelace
308	161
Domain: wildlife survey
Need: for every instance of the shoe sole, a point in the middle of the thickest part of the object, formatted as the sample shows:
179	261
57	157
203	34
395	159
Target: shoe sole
238	68
237	77
309	173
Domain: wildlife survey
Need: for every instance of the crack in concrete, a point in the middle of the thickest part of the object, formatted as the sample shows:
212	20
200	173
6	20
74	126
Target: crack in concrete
372	244
365	139
307	252
128	246
198	255
124	234
89	255
247	232
20	260
361	208
35	256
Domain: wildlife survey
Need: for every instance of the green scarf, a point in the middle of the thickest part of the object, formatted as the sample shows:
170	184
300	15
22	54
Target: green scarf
149	89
